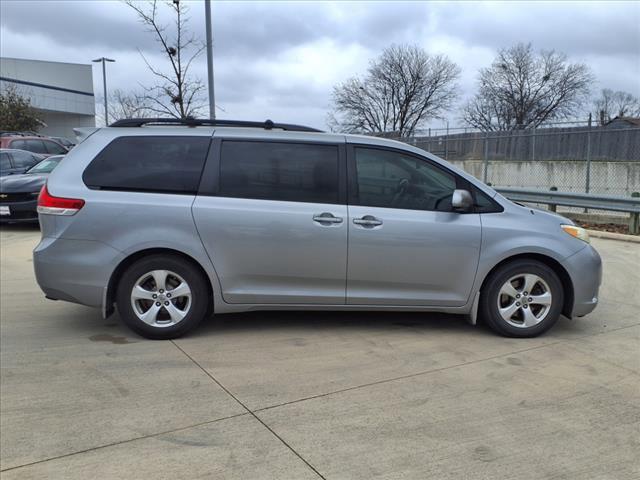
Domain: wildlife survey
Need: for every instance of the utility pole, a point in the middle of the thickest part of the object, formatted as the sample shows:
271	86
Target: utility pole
212	98
104	86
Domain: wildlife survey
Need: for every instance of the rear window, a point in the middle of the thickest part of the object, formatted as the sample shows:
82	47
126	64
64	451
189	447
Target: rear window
292	172
149	164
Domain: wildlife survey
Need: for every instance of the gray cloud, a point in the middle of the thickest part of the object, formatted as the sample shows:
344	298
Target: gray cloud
284	57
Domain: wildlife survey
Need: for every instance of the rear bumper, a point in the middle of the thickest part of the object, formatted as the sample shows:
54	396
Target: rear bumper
585	270
74	270
20	212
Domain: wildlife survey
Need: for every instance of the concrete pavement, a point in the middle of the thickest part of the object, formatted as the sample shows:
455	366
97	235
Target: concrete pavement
317	395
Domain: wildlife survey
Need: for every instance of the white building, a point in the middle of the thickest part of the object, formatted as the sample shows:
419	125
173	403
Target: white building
62	93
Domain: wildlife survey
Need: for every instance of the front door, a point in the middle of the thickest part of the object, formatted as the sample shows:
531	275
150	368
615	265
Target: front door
406	245
276	230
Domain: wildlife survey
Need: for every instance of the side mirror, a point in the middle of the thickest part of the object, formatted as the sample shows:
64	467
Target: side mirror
462	201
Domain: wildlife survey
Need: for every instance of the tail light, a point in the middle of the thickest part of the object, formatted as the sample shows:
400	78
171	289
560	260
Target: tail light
50	205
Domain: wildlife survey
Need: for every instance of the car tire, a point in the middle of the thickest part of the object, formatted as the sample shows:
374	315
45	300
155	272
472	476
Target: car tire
506	309
162	297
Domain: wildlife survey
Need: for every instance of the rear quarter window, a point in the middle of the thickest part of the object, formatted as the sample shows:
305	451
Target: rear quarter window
171	164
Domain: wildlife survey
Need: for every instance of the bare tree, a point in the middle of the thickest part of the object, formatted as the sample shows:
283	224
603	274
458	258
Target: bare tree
523	89
612	104
128	104
177	93
133	104
402	89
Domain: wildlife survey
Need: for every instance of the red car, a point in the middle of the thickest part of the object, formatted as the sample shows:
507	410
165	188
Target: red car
41	145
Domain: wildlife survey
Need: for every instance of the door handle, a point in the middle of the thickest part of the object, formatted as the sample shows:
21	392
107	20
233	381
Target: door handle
326	218
367	221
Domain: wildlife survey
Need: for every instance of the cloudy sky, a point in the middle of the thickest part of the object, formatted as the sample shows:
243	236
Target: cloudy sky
280	60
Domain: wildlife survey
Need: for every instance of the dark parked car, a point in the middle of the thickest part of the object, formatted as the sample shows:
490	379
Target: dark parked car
17	161
19	193
42	145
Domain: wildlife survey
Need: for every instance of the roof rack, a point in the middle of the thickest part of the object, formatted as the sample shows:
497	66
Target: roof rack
197	122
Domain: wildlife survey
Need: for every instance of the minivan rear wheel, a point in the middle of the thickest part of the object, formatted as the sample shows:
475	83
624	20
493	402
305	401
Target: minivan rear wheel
162	297
522	298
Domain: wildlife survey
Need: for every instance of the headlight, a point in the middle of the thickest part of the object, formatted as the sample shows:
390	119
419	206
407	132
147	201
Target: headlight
578	232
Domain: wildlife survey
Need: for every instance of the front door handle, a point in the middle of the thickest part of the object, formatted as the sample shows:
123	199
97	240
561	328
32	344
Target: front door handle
326	218
367	221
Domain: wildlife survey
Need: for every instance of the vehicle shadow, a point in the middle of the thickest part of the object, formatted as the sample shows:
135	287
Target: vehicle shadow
20	227
333	320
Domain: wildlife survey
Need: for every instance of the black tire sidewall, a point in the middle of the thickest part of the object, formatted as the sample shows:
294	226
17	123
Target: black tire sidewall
489	297
200	298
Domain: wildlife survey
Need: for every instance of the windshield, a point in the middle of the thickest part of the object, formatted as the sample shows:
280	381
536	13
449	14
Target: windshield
47	165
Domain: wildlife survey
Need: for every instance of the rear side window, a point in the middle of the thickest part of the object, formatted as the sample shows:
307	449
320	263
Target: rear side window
5	163
149	164
24	160
292	172
36	146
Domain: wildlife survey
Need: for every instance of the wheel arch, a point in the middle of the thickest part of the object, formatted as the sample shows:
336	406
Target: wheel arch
552	263
117	273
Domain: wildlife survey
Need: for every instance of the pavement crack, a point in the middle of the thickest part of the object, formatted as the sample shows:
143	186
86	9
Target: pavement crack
436	370
113	444
250	412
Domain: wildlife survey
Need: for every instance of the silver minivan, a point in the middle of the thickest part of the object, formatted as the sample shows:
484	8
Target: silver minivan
170	221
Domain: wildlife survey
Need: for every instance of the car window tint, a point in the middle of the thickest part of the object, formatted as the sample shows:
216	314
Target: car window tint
36	146
483	204
149	163
394	180
22	159
291	172
53	147
18	144
5	162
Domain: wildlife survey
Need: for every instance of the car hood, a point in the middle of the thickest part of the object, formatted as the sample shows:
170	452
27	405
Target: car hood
22	183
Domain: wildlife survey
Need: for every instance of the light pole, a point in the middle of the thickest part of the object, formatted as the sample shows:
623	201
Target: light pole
212	99
104	85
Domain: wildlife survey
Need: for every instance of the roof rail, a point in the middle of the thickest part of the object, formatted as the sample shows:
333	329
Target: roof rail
196	122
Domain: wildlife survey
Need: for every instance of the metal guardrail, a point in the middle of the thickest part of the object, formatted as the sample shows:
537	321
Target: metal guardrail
581	200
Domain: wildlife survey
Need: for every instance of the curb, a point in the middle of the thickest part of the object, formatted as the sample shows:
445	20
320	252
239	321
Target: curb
614	236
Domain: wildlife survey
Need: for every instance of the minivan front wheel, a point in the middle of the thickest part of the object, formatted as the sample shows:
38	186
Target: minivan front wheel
523	298
162	297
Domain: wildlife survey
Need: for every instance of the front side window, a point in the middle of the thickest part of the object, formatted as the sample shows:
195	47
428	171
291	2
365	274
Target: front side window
54	148
291	172
395	180
171	164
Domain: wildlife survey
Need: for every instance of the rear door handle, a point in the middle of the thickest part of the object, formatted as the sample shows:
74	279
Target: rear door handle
367	221
326	218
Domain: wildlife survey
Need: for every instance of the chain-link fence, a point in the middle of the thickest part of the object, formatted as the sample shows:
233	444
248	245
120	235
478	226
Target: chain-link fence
603	159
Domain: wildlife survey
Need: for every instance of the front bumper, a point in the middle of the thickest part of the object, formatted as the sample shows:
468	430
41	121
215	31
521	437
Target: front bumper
585	270
20	211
